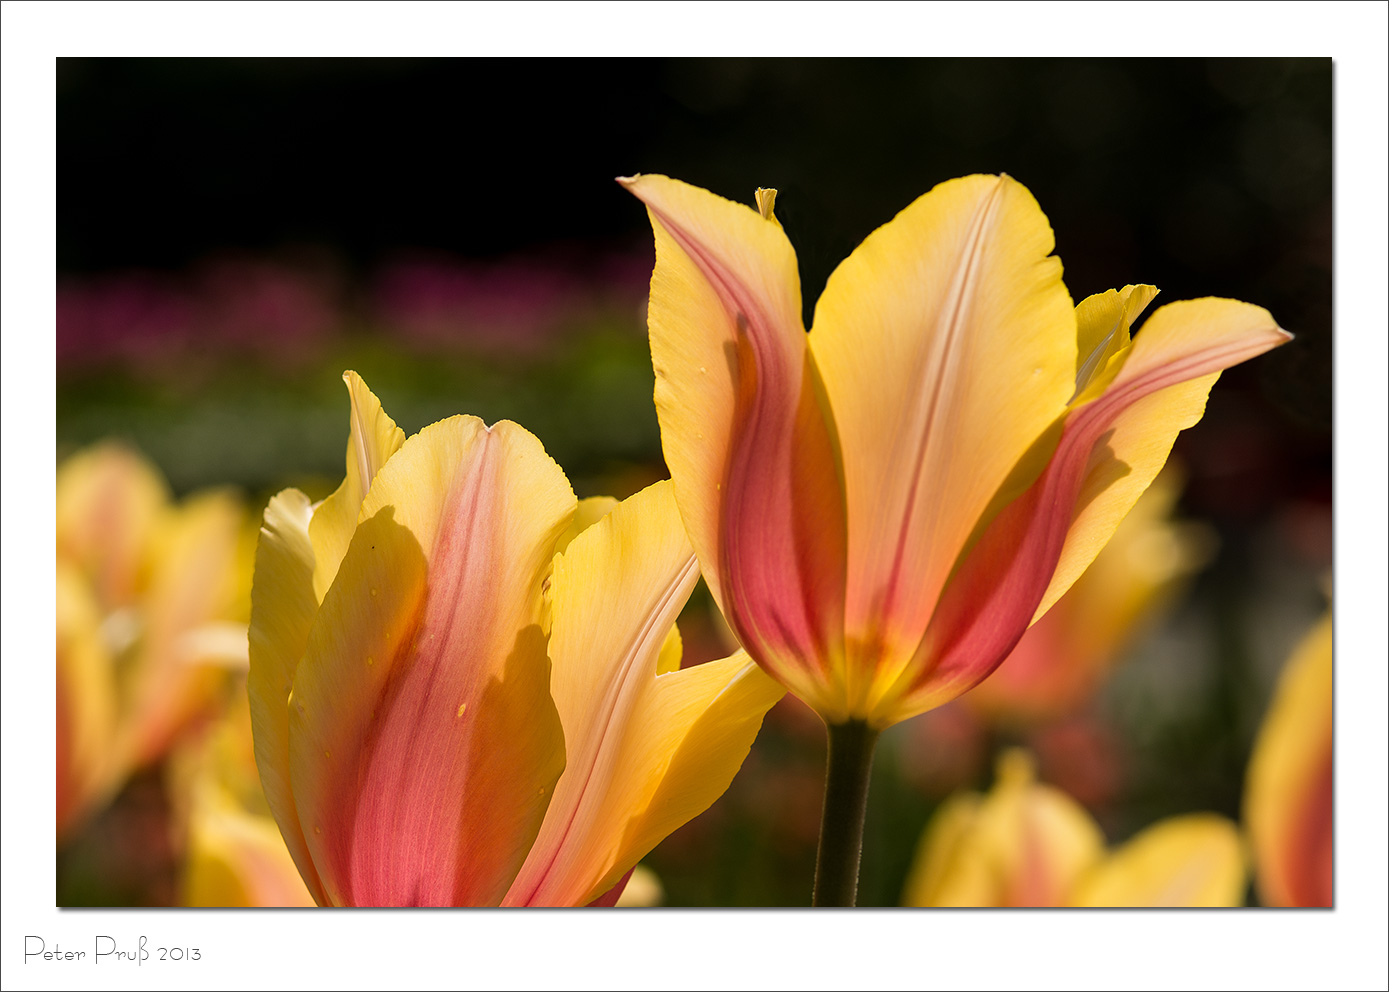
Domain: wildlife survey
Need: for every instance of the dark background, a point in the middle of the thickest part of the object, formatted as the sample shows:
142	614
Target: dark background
234	233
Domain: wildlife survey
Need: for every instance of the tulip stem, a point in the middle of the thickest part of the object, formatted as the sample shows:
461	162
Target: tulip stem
849	765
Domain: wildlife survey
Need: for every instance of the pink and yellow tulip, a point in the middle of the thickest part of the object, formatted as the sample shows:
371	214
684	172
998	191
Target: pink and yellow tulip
151	613
882	506
1027	844
1288	807
467	692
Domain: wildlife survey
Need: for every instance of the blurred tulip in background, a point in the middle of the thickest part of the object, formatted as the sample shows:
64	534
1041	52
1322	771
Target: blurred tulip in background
1289	793
1028	844
152	604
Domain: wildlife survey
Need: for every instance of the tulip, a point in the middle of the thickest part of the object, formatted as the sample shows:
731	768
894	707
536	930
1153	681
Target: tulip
150	601
1065	656
1026	844
882	506
1288	794
446	711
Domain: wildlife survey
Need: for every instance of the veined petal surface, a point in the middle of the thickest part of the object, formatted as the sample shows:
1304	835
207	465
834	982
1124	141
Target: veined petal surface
743	425
424	745
1288	799
947	345
647	750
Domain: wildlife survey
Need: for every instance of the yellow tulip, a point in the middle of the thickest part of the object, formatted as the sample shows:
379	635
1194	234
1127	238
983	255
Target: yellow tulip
1288	796
151	613
882	506
447	711
1027	844
1065	656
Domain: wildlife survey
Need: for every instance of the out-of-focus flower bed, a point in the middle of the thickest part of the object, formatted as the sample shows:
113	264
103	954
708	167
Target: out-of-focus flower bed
229	374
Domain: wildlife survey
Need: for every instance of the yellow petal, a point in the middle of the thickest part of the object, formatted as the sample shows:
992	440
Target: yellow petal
193	582
588	513
283	606
236	858
643	890
947	345
1103	325
743	427
943	871
424	745
1024	845
1172	365
86	703
1194	860
1288	794
646	752
109	503
372	438
672	650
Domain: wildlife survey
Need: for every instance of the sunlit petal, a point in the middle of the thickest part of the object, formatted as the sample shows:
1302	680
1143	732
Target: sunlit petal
947	345
743	425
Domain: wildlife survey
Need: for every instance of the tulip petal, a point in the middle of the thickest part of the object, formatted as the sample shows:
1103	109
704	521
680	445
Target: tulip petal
1195	860
1111	448
372	438
1288	796
1160	391
1103	323
193	580
646	751
947	346
424	745
743	428
283	607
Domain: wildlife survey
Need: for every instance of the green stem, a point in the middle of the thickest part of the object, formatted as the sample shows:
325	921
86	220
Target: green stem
848	768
